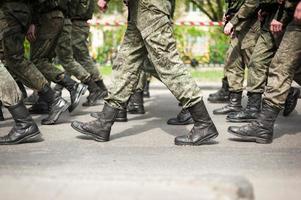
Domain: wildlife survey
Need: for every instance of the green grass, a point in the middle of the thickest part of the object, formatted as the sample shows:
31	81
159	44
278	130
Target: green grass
203	74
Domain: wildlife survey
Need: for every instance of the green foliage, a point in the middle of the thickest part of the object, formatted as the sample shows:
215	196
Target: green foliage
219	45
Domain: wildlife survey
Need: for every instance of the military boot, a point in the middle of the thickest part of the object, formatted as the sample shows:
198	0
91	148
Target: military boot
250	113
57	105
32	99
146	93
203	130
233	106
135	105
183	118
121	115
77	90
40	107
99	129
58	89
1	113
96	93
102	87
22	88
24	129
260	130
222	95
291	101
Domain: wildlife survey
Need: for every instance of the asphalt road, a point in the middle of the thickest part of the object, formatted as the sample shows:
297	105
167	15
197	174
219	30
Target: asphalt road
142	162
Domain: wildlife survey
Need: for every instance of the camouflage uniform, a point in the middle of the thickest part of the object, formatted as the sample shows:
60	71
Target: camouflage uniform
64	52
10	93
50	23
16	16
264	51
286	64
80	13
149	33
242	44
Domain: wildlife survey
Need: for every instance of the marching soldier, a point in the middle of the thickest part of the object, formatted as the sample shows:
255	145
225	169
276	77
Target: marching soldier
14	19
149	33
281	74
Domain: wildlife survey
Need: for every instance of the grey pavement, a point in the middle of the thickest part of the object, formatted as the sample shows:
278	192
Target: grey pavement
142	162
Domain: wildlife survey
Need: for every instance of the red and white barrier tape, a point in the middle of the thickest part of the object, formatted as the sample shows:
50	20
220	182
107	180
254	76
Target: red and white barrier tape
177	23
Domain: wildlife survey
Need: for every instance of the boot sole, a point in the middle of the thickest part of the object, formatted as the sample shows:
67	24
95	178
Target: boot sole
240	120
252	138
25	139
81	93
200	142
188	122
121	120
226	113
96	138
65	108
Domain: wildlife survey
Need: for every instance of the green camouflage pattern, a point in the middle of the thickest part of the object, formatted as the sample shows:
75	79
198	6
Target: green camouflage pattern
284	67
80	35
150	34
13	37
10	93
64	53
42	51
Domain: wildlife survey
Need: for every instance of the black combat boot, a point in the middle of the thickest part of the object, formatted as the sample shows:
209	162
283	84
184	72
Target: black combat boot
96	93
102	87
57	105
203	130
146	93
291	101
222	95
22	88
32	99
24	129
58	89
233	106
77	90
135	105
250	113
260	130
99	129
183	118
121	115
1	113
40	107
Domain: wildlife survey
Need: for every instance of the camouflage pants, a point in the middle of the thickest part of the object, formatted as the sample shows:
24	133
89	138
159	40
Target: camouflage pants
260	61
150	34
238	56
14	18
10	93
147	72
285	64
42	51
65	53
80	34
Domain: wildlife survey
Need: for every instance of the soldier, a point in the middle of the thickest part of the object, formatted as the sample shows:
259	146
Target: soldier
281	74
264	52
14	20
24	129
72	43
46	27
242	24
149	33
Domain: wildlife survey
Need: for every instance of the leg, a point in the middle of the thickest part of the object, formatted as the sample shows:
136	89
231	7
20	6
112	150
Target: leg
280	77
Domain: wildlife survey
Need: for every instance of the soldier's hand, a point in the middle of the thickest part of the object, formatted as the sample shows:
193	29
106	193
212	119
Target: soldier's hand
297	15
31	33
276	27
281	1
103	5
126	2
228	28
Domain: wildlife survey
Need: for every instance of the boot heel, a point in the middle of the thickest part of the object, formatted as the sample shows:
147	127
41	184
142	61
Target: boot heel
263	141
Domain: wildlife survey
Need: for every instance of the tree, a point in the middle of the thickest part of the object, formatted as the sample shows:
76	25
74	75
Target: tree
214	9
